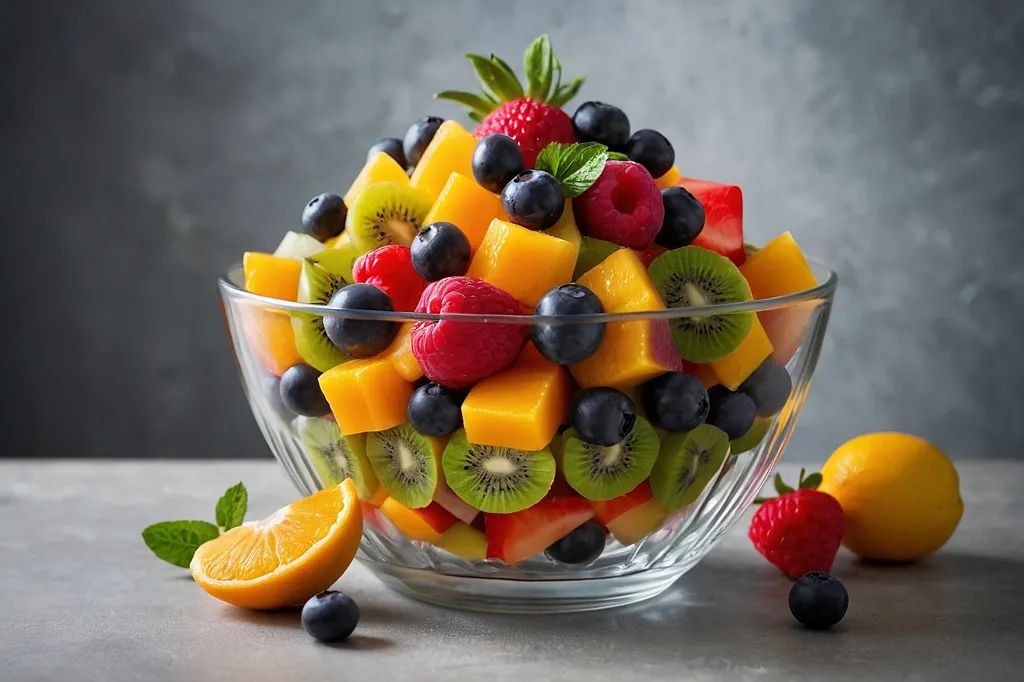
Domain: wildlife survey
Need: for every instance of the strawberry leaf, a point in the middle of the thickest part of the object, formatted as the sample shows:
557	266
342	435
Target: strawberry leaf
538	66
476	103
493	78
475	117
811	482
575	166
780	487
512	80
566	92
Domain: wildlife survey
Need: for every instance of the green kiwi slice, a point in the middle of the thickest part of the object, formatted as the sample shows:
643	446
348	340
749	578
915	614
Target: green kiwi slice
385	213
494	479
750	249
335	456
601	473
592	253
694	276
321	276
687	463
404	462
753	437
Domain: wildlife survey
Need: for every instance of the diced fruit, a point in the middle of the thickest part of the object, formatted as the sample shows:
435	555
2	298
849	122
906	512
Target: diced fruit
400	352
271	276
605	472
723	217
602	415
418	138
687	463
458	507
330	616
324	216
434	410
652	150
648	255
391	146
637	523
669	179
624	206
675	401
322	276
407	464
343	243
270	337
752	438
366	395
601	123
567	344
632	352
519	536
769	387
777	269
593	251
386	213
450	151
684	218
580	546
521	407
533	199
468	206
300	391
731	412
496	160
607	511
297	246
337	457
566	228
379	168
440	250
412	523
465	541
390	269
733	369
360	338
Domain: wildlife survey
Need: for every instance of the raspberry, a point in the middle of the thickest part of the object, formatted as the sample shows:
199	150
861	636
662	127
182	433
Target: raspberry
532	124
389	268
624	206
458	354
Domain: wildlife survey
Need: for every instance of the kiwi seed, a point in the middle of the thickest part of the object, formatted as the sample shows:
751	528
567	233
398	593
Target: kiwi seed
601	473
386	213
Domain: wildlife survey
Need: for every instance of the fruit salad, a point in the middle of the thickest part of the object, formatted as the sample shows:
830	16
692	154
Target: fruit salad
527	431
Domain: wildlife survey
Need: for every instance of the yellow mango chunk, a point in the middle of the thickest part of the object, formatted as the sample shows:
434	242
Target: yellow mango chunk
271	338
400	352
521	407
565	229
366	395
468	206
379	168
669	179
451	151
271	276
465	541
734	368
524	263
632	352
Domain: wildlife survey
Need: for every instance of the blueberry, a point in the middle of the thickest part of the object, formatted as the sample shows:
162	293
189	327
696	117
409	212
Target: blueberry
300	392
818	600
600	122
769	387
434	410
418	136
391	146
565	344
733	412
581	546
602	416
440	250
330	616
270	386
676	401
324	216
496	160
652	150
533	199
360	338
684	218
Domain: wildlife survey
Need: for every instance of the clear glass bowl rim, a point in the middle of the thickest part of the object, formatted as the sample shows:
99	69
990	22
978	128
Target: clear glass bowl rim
230	289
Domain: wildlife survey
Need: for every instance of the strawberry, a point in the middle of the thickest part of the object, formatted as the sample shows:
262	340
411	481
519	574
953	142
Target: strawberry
800	530
532	117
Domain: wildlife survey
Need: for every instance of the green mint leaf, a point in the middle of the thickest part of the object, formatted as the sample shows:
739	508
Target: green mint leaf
474	102
549	157
566	92
177	541
231	506
617	156
780	486
576	166
495	79
811	482
538	65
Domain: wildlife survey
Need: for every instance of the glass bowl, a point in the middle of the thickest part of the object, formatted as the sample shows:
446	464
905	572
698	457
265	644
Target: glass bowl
259	328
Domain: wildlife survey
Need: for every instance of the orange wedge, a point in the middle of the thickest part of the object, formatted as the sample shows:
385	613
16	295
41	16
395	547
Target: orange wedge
286	558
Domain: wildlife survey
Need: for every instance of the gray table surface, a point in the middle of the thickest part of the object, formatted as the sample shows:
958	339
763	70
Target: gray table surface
82	599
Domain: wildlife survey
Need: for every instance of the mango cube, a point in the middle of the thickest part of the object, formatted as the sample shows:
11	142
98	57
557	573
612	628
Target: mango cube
271	337
271	276
468	206
734	368
366	395
400	352
566	229
669	179
379	168
451	151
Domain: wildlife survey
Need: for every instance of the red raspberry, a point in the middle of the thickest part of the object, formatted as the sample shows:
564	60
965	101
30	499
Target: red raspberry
389	268
624	206
532	124
799	531
458	354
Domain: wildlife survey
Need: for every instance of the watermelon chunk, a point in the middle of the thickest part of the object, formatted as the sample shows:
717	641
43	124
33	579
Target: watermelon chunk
723	217
519	536
608	511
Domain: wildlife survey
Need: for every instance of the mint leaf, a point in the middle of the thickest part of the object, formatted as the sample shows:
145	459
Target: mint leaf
539	65
231	506
549	157
177	541
617	156
576	166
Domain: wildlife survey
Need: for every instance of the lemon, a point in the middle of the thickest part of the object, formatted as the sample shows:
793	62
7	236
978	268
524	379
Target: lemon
899	493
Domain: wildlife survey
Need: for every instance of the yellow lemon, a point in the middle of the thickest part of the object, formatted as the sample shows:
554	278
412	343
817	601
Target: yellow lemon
900	495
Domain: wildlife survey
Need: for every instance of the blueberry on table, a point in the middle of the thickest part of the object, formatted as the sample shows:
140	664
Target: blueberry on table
330	616
496	160
818	600
391	146
566	344
731	411
299	391
418	137
602	123
434	410
440	250
324	216
684	218
533	199
602	416
360	338
652	150
676	401
581	546
769	387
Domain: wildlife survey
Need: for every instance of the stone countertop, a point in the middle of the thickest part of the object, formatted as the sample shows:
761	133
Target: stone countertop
82	599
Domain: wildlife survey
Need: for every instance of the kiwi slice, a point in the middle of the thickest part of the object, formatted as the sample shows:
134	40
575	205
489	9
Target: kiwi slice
495	479
750	249
385	213
687	463
335	456
405	464
601	473
320	278
694	276
592	253
753	437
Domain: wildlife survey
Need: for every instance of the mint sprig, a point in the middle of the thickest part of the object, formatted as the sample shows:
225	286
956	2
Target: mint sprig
176	542
575	166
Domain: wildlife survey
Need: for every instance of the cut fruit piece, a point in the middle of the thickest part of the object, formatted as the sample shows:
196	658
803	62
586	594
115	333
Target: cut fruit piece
400	352
286	558
752	438
468	206
777	269
271	276
648	255
407	464
734	368
450	151
632	352
723	217
297	246
692	277
414	524
343	243
379	168
385	213
495	479
337	457
669	179
458	507
377	499
634	525
601	473
521	407
566	229
366	395
686	464
464	541
270	336
608	510
519	536
321	277
593	251
506	249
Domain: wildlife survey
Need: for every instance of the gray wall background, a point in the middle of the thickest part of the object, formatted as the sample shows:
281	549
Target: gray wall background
146	145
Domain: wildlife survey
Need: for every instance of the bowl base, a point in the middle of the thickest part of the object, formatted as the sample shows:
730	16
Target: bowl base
495	595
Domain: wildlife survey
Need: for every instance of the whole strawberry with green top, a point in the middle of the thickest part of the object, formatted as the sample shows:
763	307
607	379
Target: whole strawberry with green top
532	117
